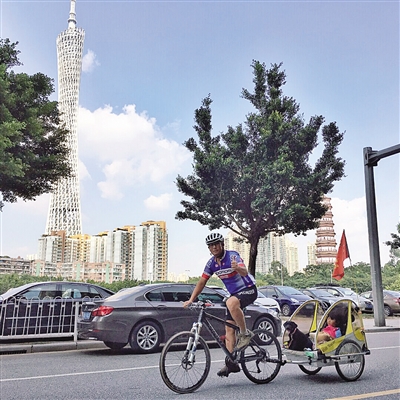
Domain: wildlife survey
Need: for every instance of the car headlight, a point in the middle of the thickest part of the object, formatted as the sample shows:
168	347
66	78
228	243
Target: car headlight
273	312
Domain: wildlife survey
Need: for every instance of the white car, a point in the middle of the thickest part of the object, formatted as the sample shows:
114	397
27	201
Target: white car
267	302
341	292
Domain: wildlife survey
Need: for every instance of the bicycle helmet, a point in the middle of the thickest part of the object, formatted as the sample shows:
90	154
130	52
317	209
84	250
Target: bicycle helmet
214	238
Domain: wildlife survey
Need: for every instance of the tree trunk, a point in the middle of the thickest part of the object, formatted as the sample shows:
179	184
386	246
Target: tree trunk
253	256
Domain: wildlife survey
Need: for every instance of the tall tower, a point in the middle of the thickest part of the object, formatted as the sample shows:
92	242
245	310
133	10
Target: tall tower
65	208
326	242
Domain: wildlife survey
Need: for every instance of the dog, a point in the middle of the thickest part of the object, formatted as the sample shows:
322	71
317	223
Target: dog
297	339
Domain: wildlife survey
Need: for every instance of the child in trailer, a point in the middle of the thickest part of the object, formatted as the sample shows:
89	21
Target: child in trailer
335	323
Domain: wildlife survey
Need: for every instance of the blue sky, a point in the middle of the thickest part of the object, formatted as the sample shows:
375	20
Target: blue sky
147	66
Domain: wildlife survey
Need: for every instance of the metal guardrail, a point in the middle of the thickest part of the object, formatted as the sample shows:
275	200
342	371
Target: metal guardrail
22	318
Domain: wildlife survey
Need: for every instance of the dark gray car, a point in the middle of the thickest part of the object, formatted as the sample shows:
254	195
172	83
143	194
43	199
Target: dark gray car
148	315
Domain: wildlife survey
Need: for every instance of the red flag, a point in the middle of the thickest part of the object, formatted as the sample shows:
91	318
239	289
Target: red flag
342	254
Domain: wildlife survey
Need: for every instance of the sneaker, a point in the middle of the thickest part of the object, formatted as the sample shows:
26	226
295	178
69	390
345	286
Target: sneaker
243	340
229	367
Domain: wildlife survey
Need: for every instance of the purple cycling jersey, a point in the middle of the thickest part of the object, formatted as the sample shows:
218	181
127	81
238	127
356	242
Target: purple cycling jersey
233	281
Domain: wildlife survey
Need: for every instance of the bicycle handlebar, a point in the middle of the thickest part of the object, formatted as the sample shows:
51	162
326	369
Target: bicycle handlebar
200	304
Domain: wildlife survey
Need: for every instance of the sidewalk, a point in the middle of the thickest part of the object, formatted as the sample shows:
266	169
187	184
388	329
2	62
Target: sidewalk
392	324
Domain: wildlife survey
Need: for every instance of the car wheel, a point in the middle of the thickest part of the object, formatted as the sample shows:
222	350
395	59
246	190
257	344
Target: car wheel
286	311
115	346
387	310
145	337
266	325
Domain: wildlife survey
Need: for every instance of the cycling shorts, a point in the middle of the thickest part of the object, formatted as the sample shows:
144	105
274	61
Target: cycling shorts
246	296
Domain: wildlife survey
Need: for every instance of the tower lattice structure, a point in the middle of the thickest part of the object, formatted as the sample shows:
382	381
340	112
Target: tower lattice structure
65	208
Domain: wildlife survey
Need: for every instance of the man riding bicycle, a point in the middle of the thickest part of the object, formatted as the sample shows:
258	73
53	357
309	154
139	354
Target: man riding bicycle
229	267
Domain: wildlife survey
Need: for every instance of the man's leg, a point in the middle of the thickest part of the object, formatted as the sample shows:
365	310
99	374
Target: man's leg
230	340
244	337
233	304
230	337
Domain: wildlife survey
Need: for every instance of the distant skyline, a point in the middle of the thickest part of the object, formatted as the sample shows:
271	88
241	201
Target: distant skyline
146	68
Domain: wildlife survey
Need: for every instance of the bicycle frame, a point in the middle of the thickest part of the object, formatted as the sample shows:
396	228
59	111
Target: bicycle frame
204	319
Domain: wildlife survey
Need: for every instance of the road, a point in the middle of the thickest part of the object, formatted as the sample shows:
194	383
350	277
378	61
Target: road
104	374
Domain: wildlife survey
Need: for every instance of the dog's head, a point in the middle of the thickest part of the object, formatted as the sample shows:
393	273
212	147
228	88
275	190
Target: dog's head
290	326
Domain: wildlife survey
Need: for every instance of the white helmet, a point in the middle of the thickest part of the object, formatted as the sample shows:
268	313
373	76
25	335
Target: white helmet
214	238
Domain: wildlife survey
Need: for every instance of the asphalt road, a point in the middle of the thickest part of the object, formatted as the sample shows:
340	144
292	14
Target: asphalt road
106	374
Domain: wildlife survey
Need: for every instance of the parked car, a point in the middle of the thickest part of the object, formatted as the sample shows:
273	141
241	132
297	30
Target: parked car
341	292
267	302
391	301
324	297
288	297
262	300
44	308
147	315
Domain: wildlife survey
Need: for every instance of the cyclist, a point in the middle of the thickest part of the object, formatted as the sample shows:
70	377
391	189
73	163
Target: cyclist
229	267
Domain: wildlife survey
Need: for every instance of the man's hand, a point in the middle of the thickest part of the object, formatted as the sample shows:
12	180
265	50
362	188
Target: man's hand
187	303
239	268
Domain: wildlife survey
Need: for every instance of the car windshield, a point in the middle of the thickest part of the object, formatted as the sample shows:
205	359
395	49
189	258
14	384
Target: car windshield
13	291
259	295
290	291
393	293
347	292
321	292
126	292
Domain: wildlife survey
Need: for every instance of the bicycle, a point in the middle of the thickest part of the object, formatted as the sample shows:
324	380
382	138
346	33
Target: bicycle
185	371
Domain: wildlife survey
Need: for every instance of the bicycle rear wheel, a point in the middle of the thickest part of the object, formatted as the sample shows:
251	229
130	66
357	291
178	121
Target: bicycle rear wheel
262	362
351	365
179	373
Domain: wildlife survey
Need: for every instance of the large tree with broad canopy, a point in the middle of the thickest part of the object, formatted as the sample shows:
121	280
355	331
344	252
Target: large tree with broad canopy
257	177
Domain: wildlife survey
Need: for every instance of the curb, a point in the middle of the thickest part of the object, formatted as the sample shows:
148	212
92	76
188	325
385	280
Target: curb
377	329
48	347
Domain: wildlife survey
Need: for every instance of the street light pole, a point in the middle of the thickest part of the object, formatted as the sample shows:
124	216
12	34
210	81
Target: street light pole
371	158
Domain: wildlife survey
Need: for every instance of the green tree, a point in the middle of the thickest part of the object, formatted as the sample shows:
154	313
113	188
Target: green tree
395	245
33	148
256	178
279	272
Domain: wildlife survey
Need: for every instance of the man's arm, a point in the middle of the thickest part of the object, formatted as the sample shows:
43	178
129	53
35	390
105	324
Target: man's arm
197	290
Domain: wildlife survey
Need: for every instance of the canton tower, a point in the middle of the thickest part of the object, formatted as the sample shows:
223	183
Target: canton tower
65	208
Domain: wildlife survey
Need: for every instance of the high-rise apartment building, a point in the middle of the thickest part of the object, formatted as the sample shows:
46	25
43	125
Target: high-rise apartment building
65	209
270	248
311	254
150	251
141	251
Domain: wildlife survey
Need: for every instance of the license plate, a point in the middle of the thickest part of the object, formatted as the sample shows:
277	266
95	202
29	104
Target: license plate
86	315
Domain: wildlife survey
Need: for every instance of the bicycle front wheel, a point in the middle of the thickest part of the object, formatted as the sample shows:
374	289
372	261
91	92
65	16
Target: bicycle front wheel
261	360
181	372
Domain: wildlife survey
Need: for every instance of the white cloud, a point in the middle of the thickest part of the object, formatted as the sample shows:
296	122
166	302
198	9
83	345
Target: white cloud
159	203
89	61
128	147
351	216
39	206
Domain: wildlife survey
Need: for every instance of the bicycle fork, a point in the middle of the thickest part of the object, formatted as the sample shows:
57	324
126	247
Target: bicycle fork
192	343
